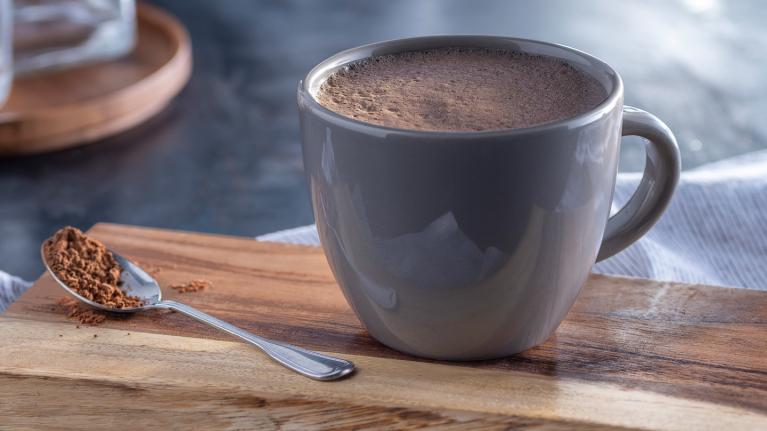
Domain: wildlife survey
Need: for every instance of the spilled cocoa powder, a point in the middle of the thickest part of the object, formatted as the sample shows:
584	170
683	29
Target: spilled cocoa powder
191	286
82	313
87	267
149	268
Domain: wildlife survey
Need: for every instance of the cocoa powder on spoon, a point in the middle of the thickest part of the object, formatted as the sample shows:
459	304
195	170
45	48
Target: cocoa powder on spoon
87	267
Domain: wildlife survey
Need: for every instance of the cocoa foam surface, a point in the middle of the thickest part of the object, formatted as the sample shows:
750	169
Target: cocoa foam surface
460	89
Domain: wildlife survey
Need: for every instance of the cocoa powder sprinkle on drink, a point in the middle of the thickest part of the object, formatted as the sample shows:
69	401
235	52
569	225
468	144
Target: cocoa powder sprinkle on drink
87	267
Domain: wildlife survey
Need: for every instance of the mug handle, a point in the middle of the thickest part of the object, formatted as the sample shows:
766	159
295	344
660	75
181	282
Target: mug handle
661	175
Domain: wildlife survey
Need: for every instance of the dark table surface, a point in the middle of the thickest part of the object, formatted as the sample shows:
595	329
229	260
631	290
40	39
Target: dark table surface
225	157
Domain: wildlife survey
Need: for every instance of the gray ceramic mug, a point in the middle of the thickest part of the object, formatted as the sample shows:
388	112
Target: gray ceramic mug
474	245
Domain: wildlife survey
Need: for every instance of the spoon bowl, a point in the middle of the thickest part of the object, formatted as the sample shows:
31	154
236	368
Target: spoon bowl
137	282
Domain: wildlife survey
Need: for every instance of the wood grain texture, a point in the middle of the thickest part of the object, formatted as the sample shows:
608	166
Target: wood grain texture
103	406
59	109
632	353
142	362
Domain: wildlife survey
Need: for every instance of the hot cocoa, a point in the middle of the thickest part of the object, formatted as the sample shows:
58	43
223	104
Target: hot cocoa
460	89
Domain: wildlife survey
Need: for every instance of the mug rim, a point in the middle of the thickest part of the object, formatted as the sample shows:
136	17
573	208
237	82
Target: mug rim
607	105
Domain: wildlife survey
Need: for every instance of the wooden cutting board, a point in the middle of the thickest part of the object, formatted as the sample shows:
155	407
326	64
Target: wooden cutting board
632	353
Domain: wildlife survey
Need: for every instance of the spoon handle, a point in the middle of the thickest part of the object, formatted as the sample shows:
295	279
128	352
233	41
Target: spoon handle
311	364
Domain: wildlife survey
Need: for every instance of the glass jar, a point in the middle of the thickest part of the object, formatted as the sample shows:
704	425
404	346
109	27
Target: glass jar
51	34
6	52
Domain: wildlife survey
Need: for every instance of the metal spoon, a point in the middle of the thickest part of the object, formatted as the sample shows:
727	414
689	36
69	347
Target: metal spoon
138	283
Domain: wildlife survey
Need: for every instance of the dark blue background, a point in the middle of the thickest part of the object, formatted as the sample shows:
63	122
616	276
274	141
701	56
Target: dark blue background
225	157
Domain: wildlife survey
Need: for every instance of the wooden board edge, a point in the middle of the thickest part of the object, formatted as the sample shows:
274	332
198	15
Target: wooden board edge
144	362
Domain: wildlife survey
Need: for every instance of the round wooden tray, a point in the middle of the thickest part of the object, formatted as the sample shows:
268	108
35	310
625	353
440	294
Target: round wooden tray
55	110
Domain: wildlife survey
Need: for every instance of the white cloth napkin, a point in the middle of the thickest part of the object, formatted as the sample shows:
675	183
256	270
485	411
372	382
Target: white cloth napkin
714	231
10	289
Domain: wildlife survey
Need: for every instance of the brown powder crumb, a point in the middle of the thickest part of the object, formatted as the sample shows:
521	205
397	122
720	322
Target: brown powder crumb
95	335
67	302
82	313
151	269
87	267
191	286
88	317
